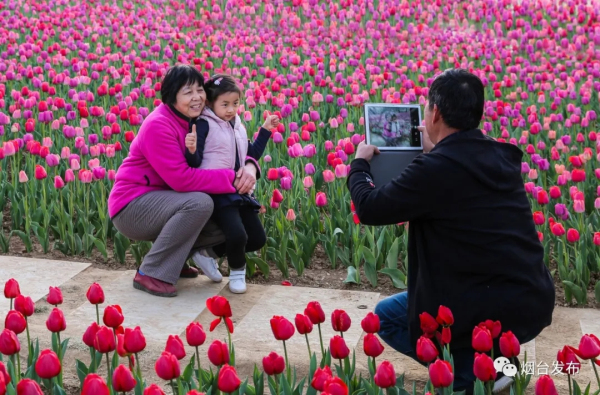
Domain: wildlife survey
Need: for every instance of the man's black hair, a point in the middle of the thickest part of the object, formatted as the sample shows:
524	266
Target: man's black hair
176	78
459	96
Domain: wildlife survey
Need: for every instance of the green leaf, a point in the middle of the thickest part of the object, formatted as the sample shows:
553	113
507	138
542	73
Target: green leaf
58	390
597	291
392	256
115	360
397	277
243	387
285	386
351	278
189	369
259	381
579	294
371	273
63	348
82	371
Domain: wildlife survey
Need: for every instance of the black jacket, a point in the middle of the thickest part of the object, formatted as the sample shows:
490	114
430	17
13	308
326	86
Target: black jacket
472	242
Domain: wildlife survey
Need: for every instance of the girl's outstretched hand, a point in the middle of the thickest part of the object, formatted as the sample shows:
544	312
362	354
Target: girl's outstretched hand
190	140
271	122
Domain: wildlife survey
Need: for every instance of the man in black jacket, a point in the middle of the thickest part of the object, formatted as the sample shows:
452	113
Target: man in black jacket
472	243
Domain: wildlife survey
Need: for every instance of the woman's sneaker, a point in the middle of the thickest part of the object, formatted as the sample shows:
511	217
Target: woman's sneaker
208	265
237	281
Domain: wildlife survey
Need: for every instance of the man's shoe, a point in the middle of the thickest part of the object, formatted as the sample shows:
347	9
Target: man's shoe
209	267
188	272
153	286
502	383
237	281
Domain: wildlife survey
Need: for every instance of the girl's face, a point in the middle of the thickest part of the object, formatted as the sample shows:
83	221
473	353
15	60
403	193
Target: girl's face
226	106
190	100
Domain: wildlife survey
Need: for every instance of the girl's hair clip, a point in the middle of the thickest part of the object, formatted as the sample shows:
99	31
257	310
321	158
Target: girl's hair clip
218	81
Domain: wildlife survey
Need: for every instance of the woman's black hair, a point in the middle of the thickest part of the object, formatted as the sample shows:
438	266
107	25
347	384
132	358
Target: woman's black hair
176	78
220	84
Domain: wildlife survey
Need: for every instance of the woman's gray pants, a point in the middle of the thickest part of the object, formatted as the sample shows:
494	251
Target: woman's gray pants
173	221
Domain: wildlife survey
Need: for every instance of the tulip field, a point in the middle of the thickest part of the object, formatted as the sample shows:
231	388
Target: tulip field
77	78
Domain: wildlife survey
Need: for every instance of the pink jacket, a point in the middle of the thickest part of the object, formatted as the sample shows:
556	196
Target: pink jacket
156	162
219	148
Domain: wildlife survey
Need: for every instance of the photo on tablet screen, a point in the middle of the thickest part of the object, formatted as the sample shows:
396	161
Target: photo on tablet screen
393	126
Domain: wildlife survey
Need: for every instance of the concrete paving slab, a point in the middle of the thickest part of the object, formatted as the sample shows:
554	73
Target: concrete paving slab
157	316
36	276
253	336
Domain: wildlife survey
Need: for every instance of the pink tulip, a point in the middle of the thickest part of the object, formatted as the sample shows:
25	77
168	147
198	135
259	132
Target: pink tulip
69	176
328	176
341	171
321	199
58	182
23	177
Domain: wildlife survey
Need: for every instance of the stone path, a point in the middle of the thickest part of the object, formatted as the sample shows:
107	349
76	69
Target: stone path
253	339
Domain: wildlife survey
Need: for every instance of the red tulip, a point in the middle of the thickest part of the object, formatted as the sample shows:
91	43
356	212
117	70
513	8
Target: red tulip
94	385
596	239
445	316
2	386
122	379
340	320
542	197
482	339
338	347
303	324
89	336
4	373
578	175
426	350
440	374
372	346
228	380
47	365
509	345
167	366
371	323
113	316
55	296
195	335
483	367
105	340
589	347
154	390
336	386
538	218
28	387
569	363
273	364
95	294
11	289
9	342
175	346
121	346
557	229
56	321
428	324
545	386
24	305
282	328
572	235
219	306
15	321
135	341
218	353
385	376
320	378
495	327
40	172
555	192
315	313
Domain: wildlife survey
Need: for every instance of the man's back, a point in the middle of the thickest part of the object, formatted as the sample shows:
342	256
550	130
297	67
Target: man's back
473	245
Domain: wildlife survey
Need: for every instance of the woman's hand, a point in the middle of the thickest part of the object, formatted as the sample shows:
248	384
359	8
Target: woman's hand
245	179
190	140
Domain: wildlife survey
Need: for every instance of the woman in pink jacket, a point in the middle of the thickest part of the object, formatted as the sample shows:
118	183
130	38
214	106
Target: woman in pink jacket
158	197
219	141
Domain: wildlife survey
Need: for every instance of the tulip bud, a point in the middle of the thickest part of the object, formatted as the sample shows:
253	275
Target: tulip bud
482	339
483	367
56	321
371	323
9	343
426	350
372	346
24	305
122	380
47	365
11	289
154	390
28	387
95	294
336	386
55	296
218	354
282	328
175	346
321	199
228	380
15	321
113	316
338	347
545	386
340	321
195	335
273	364
440	374
134	340
104	341
428	324
385	375
90	334
167	366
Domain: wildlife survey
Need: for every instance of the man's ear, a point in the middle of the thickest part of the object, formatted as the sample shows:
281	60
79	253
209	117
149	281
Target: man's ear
436	114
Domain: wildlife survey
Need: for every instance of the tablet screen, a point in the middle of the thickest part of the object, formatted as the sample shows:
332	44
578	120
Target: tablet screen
393	126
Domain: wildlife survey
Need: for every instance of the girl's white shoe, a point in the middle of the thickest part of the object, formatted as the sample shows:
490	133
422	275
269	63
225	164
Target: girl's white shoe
208	265
237	281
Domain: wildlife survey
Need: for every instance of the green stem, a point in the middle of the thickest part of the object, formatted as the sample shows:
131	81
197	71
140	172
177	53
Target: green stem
109	376
139	368
173	386
321	339
489	387
11	304
277	384
287	364
97	315
596	373
308	344
29	356
19	366
570	388
93	357
200	384
60	376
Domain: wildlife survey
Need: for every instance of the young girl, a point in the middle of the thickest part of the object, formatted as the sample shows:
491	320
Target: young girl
221	142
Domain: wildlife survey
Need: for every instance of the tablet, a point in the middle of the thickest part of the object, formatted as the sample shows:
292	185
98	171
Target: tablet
393	127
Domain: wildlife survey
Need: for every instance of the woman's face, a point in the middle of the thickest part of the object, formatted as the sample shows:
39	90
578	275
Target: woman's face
190	100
